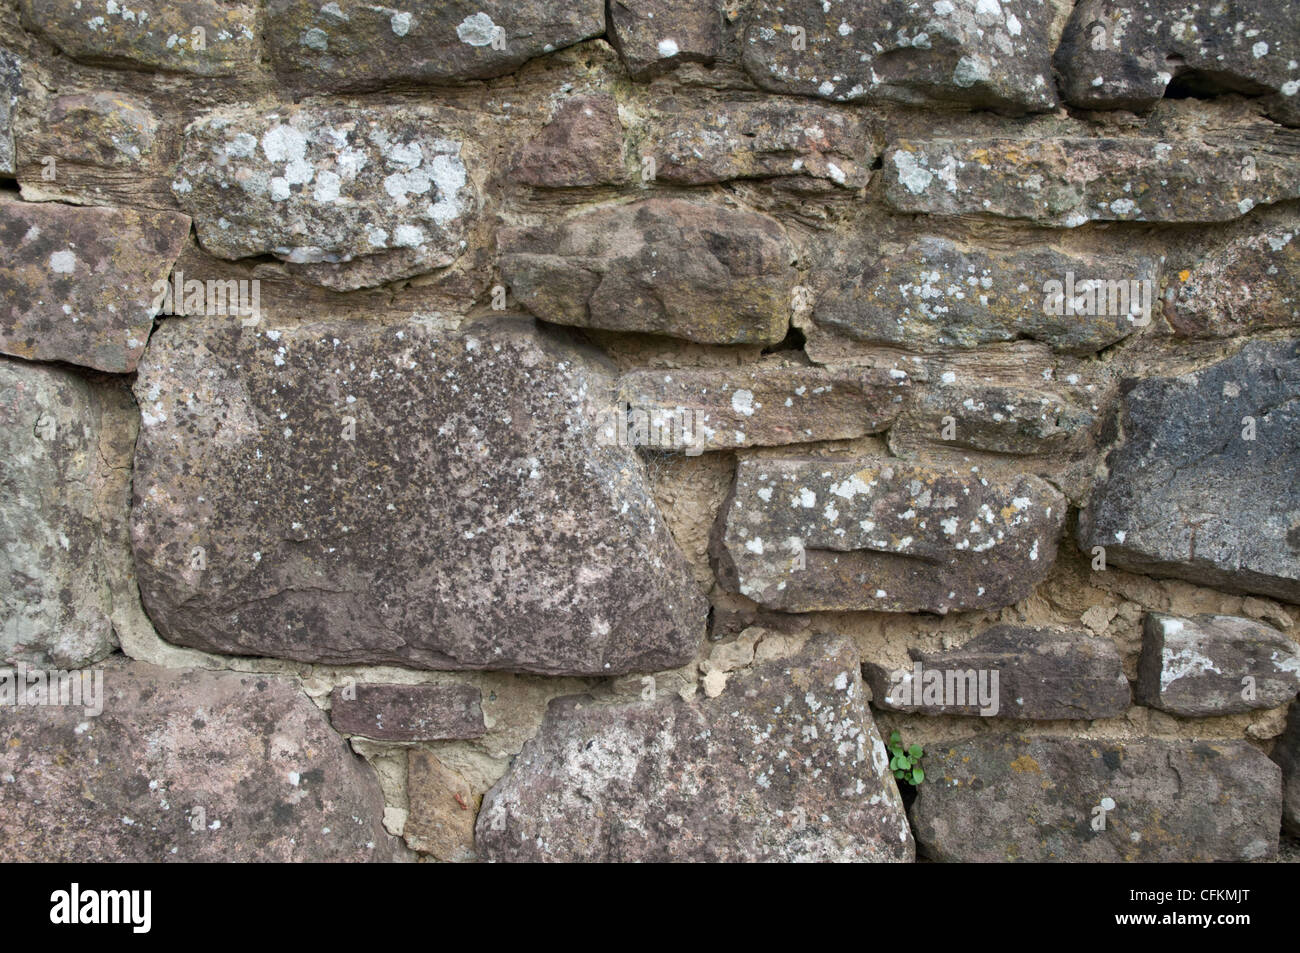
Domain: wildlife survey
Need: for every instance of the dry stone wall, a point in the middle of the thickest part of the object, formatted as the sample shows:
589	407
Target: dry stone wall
589	431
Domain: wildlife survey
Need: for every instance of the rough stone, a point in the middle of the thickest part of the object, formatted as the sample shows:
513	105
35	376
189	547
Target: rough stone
1010	797
1287	754
368	494
785	765
443	809
408	712
655	36
993	418
332	187
11	79
1198	667
79	284
962	51
1188	494
936	295
1127	55
805	535
153	34
1043	674
754	140
102	128
582	145
356	44
185	765
708	274
1072	181
725	408
1245	286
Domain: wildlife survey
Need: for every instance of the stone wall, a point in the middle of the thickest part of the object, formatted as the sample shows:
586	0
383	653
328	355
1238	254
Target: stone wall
581	431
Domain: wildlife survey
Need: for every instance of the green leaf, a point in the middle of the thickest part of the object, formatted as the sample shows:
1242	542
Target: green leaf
917	776
895	738
904	762
915	751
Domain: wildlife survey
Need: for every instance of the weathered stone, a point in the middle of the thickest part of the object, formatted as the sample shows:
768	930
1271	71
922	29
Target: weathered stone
937	295
330	186
1287	754
663	266
785	765
185	765
1010	797
103	128
353	43
361	493
995	419
1071	181
1203	487
11	80
1043	674
724	408
752	140
1247	285
443	809
80	284
204	37
1126	55
960	51
56	591
806	535
655	36
581	145
1200	666
407	712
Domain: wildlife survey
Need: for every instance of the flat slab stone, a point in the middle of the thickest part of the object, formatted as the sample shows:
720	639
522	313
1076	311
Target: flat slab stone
964	51
655	36
351	43
1247	285
804	535
185	765
408	712
937	295
1161	510
80	284
1127	55
363	195
152	34
1215	665
1071	181
784	765
1042	674
342	492
725	408
704	273
1000	798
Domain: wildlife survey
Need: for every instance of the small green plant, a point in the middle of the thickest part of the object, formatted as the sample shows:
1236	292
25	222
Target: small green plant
905	762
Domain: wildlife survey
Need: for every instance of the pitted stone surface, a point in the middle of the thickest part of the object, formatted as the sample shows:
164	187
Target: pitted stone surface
353	43
1215	665
1072	181
1250	284
873	533
186	765
655	36
974	52
1001	798
1190	495
408	712
362	493
705	273
581	145
80	284
784	765
11	81
331	187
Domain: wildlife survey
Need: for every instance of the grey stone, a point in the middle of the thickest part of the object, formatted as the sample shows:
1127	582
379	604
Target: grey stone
1043	674
1245	286
103	128
784	765
363	195
993	418
185	765
655	36
1199	667
408	712
11	80
708	274
359	493
82	284
1189	495
1287	754
805	535
1011	797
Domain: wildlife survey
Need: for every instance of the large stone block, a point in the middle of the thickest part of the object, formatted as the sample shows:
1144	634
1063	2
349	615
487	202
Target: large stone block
655	36
1250	284
784	765
344	492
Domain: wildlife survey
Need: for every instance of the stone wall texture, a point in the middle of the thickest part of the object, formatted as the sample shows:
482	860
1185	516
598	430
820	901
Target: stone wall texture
668	430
